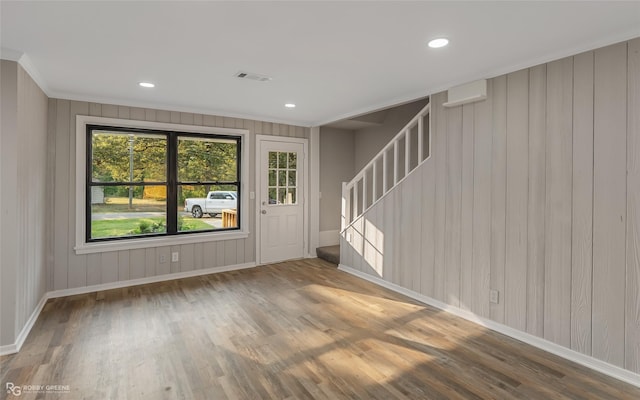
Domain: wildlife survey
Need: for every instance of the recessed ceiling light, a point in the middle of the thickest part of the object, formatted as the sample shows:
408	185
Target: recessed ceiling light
439	42
146	84
290	105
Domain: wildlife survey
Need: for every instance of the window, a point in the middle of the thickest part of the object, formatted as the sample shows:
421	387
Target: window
155	183
282	178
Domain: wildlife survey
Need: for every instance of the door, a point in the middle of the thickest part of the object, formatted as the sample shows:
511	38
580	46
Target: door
281	200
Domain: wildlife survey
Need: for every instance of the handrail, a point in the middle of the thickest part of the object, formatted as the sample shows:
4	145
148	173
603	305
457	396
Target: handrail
356	196
389	145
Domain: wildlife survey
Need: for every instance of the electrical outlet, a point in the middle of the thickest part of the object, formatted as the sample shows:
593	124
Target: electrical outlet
175	256
494	296
163	258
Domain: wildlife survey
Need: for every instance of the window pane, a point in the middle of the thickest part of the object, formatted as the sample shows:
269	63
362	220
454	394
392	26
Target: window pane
205	207
128	157
272	177
282	160
273	159
282	178
207	160
292	178
122	211
291	196
293	160
273	199
282	196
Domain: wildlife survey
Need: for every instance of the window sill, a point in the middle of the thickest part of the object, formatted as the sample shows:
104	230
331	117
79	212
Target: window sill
143	243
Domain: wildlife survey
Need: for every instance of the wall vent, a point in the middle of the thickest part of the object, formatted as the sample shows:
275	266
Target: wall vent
252	76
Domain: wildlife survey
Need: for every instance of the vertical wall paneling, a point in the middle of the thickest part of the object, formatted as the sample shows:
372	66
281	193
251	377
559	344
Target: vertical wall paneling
582	208
109	266
109	111
187	257
220	253
388	216
609	202
51	189
124	271
163	267
498	193
198	254
150	260
137	113
410	248
428	221
534	192
137	263
61	196
557	300
632	314
453	198
515	296
482	153
466	213
94	269
440	158
77	264
537	199
174	266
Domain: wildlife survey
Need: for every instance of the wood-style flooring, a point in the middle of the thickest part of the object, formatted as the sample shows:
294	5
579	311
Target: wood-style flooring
294	330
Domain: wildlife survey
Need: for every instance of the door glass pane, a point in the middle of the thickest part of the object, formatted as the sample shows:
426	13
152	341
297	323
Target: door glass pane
291	196
292	178
292	160
282	195
282	160
272	177
273	199
273	159
282	178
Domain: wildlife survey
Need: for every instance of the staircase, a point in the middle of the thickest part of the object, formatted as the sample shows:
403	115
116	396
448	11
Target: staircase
329	253
404	153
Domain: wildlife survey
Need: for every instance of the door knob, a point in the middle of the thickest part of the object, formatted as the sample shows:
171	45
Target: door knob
264	211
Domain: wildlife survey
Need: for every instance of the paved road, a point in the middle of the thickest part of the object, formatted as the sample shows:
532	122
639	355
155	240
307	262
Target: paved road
215	222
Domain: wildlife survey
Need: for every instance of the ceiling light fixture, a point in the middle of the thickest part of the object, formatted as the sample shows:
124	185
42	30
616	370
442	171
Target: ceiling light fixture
146	84
290	105
439	42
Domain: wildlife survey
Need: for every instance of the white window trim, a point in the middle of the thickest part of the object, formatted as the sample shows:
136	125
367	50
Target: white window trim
84	247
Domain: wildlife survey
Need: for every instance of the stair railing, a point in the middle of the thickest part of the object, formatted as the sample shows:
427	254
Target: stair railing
404	153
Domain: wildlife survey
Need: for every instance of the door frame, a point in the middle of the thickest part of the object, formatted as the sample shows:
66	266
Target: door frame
260	139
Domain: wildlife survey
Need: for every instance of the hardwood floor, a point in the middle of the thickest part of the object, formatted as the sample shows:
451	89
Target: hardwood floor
295	330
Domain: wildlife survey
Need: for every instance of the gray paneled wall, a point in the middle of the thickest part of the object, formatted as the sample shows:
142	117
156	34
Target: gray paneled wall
70	270
534	192
23	199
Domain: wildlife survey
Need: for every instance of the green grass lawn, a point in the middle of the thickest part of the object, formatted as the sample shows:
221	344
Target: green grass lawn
121	204
131	226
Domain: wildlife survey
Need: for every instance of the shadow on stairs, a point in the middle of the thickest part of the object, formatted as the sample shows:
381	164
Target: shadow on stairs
329	253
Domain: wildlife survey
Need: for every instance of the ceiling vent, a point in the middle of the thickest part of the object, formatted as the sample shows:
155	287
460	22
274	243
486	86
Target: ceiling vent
252	76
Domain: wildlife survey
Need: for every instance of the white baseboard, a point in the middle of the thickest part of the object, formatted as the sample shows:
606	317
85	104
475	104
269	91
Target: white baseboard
579	358
22	336
329	238
15	347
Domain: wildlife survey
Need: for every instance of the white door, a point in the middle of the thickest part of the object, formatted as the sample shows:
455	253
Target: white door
281	200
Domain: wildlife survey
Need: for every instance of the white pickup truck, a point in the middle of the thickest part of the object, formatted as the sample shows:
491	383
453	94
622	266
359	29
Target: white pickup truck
213	204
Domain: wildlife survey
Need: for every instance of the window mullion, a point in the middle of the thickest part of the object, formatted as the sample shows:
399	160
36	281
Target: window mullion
172	179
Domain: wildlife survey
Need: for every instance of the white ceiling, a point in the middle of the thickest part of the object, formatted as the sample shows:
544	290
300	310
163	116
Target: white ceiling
333	59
